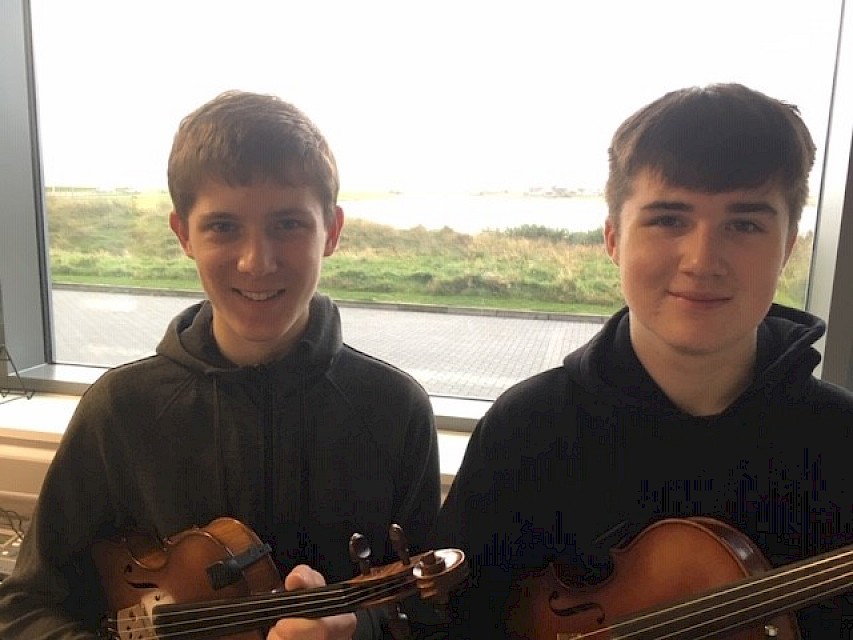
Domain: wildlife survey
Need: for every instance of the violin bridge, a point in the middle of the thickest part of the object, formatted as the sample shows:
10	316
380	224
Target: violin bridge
134	623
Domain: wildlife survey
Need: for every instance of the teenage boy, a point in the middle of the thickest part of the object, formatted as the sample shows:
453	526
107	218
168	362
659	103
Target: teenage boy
697	399
251	408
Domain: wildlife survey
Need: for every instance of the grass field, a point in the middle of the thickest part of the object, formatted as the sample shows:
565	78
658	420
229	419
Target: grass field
122	238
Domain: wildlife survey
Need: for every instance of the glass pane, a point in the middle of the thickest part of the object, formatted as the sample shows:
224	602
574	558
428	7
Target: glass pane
471	139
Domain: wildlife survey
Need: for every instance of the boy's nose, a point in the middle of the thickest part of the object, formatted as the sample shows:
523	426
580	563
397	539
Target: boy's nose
702	253
257	257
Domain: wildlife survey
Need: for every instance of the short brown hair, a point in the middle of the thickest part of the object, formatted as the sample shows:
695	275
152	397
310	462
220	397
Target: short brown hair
240	137
717	138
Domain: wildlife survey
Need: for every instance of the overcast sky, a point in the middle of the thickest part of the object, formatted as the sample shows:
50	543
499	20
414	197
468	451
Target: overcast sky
465	94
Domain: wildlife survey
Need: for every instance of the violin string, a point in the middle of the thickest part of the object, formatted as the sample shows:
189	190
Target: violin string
739	618
268	609
666	613
215	625
282	598
278	600
204	626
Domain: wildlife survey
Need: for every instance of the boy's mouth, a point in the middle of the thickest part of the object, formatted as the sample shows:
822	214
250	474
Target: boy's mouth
260	296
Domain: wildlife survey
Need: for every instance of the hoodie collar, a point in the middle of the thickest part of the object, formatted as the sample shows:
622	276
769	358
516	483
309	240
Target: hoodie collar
608	365
189	342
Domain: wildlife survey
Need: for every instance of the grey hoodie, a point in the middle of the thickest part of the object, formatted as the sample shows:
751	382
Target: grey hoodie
306	451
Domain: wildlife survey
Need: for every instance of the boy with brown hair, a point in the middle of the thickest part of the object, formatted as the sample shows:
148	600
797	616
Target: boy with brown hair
252	407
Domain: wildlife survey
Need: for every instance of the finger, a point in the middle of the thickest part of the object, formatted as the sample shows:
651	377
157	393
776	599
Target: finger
303	577
340	627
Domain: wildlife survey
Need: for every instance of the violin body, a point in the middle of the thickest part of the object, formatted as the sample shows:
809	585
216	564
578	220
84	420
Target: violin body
670	562
138	573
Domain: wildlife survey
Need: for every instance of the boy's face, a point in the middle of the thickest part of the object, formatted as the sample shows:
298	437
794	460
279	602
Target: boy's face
258	250
699	270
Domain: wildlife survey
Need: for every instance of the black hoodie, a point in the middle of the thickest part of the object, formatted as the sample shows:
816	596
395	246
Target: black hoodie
580	458
306	451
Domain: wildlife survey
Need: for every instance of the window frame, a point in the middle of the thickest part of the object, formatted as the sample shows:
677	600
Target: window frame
26	316
827	294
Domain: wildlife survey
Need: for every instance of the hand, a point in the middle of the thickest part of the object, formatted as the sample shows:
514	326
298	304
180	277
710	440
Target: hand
330	628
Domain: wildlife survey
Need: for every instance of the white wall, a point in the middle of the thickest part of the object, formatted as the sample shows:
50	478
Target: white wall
30	431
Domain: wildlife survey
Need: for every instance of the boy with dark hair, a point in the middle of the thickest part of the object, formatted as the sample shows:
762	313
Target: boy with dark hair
697	399
252	407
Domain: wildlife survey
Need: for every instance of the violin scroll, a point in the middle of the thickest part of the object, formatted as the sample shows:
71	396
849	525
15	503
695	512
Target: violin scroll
435	572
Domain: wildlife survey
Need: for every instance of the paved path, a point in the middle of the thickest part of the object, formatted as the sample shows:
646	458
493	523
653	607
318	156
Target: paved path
462	355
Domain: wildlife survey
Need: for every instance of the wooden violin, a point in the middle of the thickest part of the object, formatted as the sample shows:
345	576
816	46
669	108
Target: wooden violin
679	579
219	581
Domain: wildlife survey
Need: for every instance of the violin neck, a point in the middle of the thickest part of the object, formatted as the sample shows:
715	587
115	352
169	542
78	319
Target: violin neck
194	621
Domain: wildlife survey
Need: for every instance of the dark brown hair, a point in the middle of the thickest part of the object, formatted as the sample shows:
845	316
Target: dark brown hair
718	138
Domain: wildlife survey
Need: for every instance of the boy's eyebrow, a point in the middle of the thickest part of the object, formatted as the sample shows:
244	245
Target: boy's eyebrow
757	206
293	210
215	212
667	205
747	206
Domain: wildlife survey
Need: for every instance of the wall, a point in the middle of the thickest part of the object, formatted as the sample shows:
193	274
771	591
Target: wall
30	431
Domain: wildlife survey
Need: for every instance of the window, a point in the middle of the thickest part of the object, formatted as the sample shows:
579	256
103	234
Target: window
472	115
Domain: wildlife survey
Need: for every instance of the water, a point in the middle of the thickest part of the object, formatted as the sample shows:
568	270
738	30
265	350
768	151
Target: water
473	213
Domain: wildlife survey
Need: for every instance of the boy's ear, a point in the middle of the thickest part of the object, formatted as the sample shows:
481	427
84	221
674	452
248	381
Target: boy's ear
611	240
180	227
333	232
789	246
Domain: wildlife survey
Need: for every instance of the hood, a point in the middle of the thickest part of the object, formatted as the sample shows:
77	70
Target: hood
608	367
189	342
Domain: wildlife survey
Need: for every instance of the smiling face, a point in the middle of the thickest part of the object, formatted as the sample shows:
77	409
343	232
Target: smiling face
258	250
698	270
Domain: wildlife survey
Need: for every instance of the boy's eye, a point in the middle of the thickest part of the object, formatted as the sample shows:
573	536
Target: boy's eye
665	221
221	226
745	226
289	224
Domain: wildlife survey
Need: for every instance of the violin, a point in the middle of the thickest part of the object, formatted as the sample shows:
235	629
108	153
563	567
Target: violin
679	579
219	581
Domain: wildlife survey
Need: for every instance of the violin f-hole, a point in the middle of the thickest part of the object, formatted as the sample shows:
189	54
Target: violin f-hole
576	609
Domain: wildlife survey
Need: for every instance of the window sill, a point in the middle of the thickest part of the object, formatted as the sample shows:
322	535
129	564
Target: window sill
30	430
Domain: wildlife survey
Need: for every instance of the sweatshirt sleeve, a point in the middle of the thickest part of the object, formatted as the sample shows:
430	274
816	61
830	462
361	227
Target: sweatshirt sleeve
418	497
53	592
481	513
419	485
469	520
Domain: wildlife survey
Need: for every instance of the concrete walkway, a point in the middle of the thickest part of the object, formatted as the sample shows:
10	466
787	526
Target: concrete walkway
469	354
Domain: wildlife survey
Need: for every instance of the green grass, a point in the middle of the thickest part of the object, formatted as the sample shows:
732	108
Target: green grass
123	239
191	286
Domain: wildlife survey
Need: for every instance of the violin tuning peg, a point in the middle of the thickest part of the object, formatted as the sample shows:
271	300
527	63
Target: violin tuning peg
400	543
359	552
